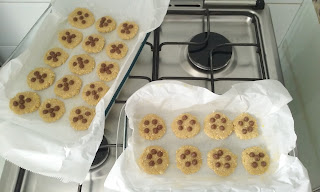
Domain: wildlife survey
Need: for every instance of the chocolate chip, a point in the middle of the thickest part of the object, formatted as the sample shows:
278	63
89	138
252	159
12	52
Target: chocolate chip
146	130
257	158
192	122
75	119
88	93
149	156
130	26
189	129
194	162
96	97
227	165
44	75
218	164
84	121
187	152
73	35
81	17
217	116
182	156
52	114
94	92
113	46
127	32
58	53
78	111
15	103
184	117
220	152
88	42
118	51
74	63
223	120
154	121
159	161
123	31
71	82
212	120
159	154
48	105
21	101
146	122
36	73
103	19
155	130
151	163
93	44
56	108
112	50
81	66
263	163
251	123
246	119
96	39
187	164
180	127
180	122
66	88
251	154
45	111
86	15
227	158
83	21
51	110
214	126
49	57
193	154
69	41
105	24
221	128
240	123
41	81
88	113
159	127
120	46
250	129
153	151
65	79
33	79
63	38
80	116
215	156
79	12
125	24
261	154
244	131
21	106
109	21
254	164
86	61
91	85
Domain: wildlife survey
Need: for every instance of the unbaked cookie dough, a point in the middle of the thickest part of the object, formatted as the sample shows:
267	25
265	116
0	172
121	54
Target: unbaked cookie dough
217	126
55	57
25	102
188	159
185	126
81	64
152	127
93	92
105	24
40	78
245	126
127	30
222	161
51	110
117	50
81	18
94	43
70	38
68	86
255	160
154	160
80	117
107	70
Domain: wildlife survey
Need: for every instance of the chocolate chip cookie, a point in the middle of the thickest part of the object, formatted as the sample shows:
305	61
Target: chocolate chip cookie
185	126
117	50
68	86
245	126
107	70
222	161
80	117
152	127
154	160
40	78
25	102
105	24
188	159
55	57
255	160
70	38
81	18
81	64
93	92
217	126
94	43
51	110
127	30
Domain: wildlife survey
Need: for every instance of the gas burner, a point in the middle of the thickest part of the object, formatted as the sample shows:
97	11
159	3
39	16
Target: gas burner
101	155
199	54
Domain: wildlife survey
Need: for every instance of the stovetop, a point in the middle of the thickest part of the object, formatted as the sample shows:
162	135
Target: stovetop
250	54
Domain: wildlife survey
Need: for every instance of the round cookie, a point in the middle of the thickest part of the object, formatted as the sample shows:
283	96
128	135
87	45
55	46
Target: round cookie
185	126
152	127
106	24
80	117
94	43
93	92
81	64
127	30
55	57
245	126
217	126
40	78
255	160
25	102
68	86
117	50
81	18
154	160
222	161
70	38
107	70
51	110
188	159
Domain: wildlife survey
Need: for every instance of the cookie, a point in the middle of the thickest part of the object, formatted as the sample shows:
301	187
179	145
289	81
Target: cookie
222	161
107	70
188	159
127	30
68	86
185	126
94	43
25	102
217	126
154	160
93	92
152	127
117	50
80	117
106	24
245	126
51	110
81	64
40	78
55	57
70	38
255	160
81	18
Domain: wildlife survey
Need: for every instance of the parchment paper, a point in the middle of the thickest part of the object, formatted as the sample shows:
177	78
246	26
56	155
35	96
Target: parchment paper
266	100
55	149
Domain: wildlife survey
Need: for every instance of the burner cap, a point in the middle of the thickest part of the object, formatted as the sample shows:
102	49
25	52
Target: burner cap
199	54
101	155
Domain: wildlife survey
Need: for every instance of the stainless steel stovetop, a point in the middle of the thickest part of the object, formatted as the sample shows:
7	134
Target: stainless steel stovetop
253	56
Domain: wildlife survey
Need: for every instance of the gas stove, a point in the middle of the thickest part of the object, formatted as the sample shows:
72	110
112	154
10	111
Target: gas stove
212	44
